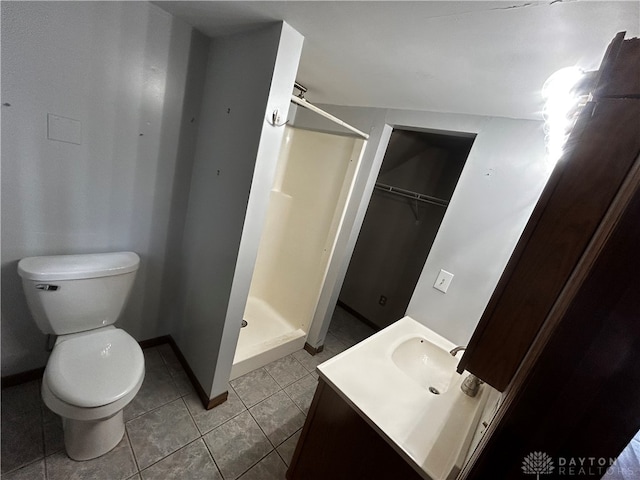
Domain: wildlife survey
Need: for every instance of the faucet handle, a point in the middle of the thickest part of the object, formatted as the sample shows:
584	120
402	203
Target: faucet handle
471	385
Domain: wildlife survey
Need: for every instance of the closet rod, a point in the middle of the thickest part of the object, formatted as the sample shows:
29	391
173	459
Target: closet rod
412	195
304	103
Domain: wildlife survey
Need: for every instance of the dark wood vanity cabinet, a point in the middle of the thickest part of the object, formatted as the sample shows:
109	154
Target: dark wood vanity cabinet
337	444
600	157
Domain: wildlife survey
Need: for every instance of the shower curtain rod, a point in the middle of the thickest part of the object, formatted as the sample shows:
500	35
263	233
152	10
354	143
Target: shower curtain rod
304	103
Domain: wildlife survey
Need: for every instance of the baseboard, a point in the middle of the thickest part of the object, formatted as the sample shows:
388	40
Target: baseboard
313	350
154	342
207	402
22	377
215	401
359	316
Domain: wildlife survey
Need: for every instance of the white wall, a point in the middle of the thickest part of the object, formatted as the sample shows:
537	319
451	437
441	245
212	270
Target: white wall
248	76
504	175
121	69
497	191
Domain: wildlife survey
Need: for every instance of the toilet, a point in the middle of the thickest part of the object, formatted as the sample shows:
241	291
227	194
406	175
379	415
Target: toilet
94	369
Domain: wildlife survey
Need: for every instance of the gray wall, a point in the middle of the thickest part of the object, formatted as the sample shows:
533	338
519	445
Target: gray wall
248	76
121	69
499	186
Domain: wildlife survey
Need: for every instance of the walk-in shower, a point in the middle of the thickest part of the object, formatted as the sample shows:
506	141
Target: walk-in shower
314	179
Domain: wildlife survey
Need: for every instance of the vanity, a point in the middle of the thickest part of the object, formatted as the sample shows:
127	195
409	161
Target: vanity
389	407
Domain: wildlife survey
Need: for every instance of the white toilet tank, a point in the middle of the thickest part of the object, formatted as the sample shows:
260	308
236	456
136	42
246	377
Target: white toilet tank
73	293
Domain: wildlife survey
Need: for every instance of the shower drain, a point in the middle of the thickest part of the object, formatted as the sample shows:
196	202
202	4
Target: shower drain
244	323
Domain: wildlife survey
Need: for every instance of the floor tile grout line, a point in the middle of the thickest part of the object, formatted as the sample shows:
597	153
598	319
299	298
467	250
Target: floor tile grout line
256	463
170	453
32	462
217	426
42	434
153	409
23	465
295	360
46	473
303	366
271	395
174	452
272	377
192	417
193	420
195	425
227	420
279	455
235	391
202	434
206	445
133	452
275	447
296	404
260	426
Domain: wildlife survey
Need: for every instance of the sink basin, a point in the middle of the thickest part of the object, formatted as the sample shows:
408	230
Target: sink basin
387	377
427	364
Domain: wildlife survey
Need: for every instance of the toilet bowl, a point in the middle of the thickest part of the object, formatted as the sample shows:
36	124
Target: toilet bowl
88	381
94	369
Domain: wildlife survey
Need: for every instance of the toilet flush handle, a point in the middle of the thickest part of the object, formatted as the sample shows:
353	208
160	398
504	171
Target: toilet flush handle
47	286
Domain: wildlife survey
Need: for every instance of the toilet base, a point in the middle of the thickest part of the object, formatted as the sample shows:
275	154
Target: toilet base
84	440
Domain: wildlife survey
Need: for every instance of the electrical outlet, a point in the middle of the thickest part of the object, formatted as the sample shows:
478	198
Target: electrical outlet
443	281
383	300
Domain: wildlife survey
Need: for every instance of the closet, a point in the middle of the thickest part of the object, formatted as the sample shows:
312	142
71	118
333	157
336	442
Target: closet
419	173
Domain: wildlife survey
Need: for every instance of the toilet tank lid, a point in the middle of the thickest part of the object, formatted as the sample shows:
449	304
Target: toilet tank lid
74	267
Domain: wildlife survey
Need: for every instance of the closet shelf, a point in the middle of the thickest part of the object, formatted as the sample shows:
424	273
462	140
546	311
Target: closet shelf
420	197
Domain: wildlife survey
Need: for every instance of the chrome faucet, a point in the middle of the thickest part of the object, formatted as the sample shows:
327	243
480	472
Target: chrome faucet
471	385
456	350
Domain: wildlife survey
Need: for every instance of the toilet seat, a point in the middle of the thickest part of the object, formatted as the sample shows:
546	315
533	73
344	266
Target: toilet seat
96	369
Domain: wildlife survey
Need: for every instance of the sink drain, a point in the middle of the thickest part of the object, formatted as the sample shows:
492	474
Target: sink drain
244	323
434	390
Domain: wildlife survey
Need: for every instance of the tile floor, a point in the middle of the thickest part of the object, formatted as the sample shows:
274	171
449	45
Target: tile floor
627	466
169	435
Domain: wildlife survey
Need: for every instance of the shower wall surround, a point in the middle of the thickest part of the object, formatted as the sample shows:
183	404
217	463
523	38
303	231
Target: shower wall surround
313	183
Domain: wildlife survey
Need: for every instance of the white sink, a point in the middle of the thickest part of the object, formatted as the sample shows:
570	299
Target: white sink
387	379
427	364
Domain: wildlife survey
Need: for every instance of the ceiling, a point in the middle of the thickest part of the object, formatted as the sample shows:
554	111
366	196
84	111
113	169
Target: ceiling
487	58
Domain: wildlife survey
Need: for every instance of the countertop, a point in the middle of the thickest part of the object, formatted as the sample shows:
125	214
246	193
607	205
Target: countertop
431	432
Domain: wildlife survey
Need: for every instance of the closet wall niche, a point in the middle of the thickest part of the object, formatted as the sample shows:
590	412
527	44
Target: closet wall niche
419	173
